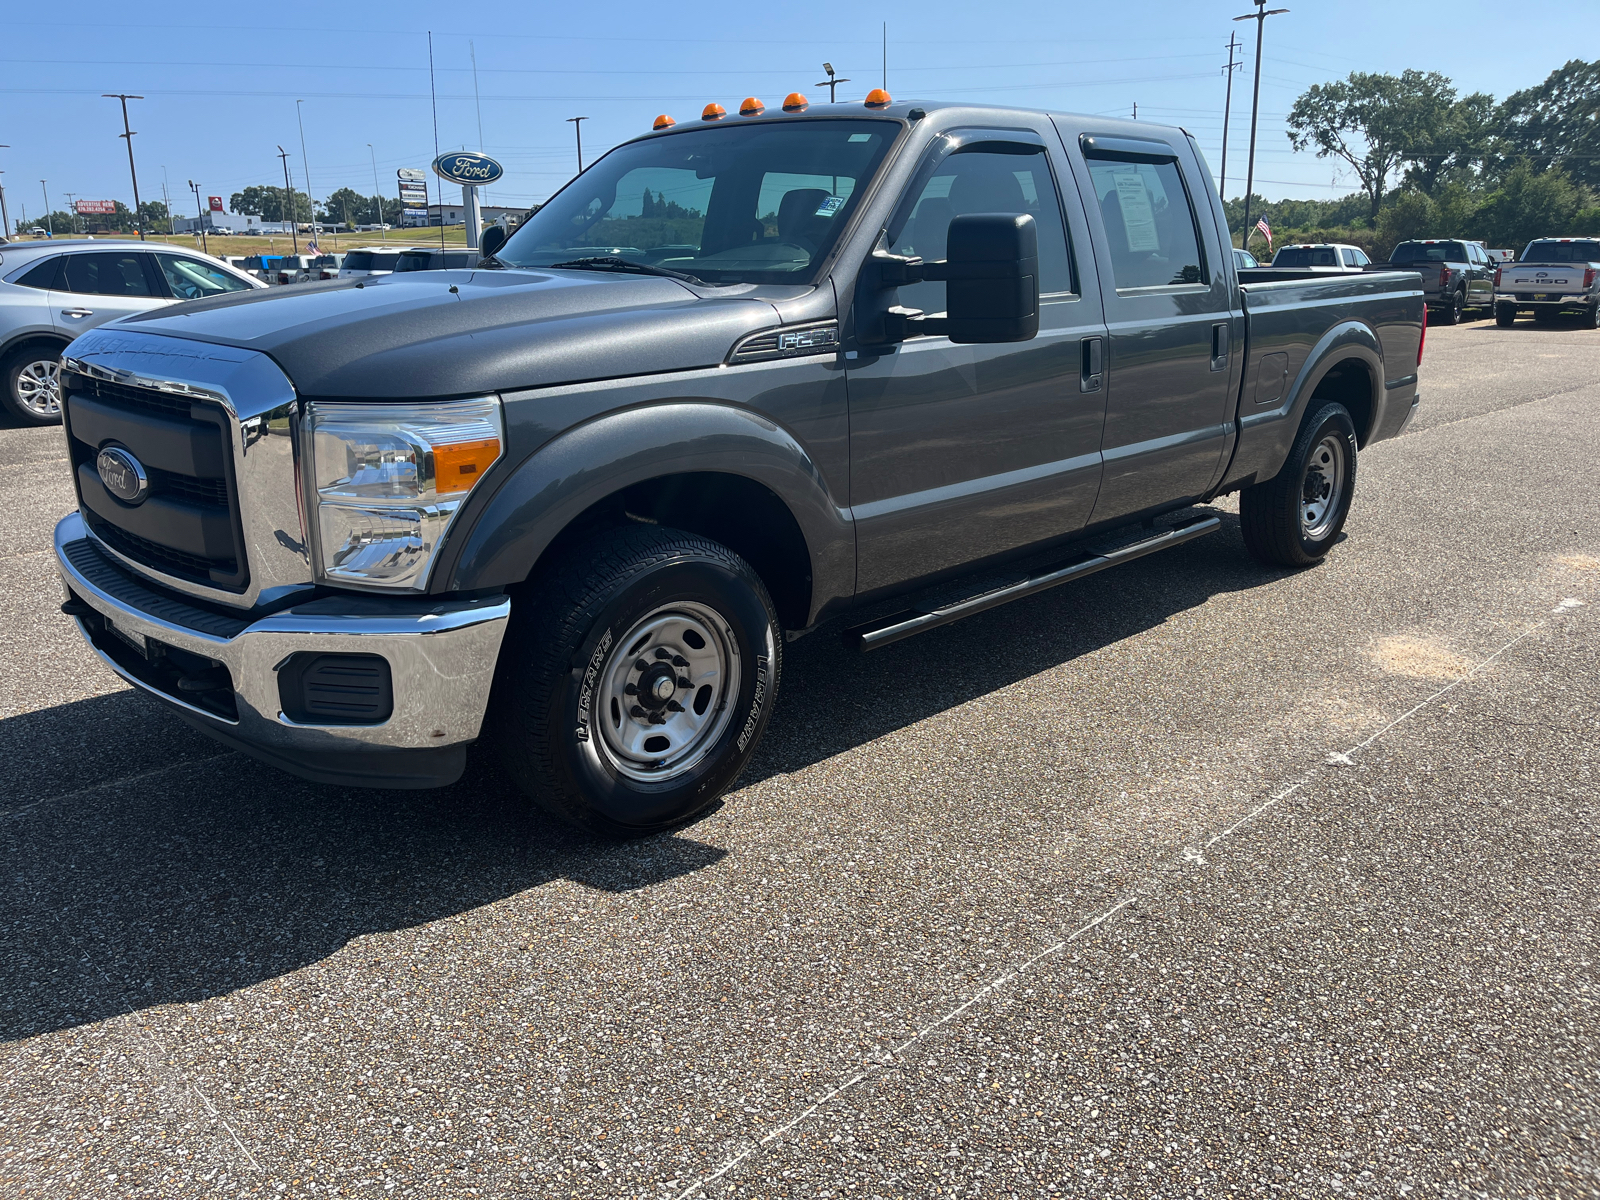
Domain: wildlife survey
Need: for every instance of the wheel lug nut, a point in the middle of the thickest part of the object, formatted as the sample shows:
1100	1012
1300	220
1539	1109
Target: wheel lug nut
682	682
674	706
636	712
639	664
657	719
663	652
679	660
630	690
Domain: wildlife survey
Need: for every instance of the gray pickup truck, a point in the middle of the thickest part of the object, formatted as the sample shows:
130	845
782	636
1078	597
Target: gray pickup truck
1456	275
739	378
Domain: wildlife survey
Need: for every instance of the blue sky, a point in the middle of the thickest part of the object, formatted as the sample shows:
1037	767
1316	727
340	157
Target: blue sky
221	89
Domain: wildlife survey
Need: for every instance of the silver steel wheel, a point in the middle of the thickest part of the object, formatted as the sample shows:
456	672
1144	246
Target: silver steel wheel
38	388
1322	490
666	693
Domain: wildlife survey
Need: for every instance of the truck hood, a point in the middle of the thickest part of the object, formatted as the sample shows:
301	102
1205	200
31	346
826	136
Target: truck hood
459	333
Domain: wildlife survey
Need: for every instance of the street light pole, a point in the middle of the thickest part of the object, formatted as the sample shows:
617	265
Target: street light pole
72	212
306	164
128	134
377	192
831	82
577	128
1227	111
5	216
1260	18
49	228
294	226
200	217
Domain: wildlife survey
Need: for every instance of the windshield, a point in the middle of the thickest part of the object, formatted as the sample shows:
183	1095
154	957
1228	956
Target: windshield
1407	252
367	260
1306	256
1562	252
733	204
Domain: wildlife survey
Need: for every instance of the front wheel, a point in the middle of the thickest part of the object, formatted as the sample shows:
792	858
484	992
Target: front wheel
32	382
1293	519
634	686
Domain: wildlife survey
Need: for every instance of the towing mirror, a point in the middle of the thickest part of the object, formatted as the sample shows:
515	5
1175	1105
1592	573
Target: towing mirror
491	240
991	276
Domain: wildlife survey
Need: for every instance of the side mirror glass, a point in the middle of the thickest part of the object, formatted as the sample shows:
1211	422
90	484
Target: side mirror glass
492	239
991	274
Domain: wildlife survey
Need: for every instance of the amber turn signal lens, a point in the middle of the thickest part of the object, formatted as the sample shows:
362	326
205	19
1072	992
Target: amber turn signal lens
713	112
457	466
751	107
663	122
795	102
877	98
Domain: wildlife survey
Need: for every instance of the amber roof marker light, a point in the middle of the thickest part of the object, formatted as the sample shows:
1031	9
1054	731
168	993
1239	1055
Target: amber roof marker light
751	107
663	122
878	98
713	112
795	102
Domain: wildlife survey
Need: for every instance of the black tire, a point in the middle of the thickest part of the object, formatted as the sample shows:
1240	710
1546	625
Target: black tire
1505	316
1452	315
566	647
1272	515
20	373
1590	318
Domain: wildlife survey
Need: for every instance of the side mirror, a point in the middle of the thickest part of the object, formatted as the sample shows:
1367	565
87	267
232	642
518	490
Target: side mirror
991	273
491	240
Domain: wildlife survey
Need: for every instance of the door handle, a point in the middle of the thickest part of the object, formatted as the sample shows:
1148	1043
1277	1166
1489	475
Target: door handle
1091	363
77	312
1219	346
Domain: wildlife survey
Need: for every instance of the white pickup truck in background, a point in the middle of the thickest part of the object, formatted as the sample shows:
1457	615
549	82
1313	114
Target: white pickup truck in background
1553	276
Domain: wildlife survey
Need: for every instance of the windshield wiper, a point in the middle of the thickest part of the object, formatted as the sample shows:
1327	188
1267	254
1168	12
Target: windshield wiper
612	262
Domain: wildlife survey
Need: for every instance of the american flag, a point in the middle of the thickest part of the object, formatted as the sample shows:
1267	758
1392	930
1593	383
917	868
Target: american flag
312	245
1266	231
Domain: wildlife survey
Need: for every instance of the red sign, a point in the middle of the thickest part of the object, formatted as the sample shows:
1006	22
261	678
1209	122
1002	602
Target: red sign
216	203
87	208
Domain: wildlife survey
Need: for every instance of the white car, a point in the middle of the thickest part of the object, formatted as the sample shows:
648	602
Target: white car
50	292
1324	256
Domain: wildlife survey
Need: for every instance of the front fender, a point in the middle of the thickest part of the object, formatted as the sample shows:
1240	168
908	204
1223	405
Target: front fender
1266	434
585	465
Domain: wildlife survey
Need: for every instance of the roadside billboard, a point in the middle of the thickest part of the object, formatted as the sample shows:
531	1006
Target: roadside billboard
95	208
216	203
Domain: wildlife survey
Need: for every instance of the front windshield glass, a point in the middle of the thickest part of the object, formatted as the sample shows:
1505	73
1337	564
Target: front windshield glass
730	204
1557	252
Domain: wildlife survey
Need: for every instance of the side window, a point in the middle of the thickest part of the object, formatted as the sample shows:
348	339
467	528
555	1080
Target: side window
984	181
1349	257
107	275
1361	259
46	275
1149	223
191	278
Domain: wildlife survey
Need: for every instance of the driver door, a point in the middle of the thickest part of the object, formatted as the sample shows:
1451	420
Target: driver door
959	453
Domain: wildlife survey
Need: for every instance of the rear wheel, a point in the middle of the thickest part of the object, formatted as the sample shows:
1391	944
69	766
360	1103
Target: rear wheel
1505	316
635	684
32	381
1293	519
1458	305
1591	317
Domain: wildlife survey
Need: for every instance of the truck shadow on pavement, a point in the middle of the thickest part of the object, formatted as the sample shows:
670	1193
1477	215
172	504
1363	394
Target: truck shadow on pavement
145	865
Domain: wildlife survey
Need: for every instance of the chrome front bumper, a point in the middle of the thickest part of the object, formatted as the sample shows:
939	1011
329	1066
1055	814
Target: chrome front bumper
441	657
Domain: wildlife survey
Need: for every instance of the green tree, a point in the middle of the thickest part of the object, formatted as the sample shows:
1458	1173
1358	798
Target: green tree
1410	214
154	217
267	202
1557	123
1455	146
1373	122
1530	204
346	205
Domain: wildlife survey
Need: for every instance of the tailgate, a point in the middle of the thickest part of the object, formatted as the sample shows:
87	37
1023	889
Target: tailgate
1533	281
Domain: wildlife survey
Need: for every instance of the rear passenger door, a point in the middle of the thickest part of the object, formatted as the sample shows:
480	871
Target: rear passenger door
1170	319
103	285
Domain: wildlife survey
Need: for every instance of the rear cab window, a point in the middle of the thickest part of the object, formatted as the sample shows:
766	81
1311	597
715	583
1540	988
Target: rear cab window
1560	252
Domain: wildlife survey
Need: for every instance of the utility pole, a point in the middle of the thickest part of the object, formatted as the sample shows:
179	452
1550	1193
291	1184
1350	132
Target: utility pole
166	199
831	82
200	216
1227	110
5	216
1260	18
577	128
306	163
128	134
377	192
49	228
72	212
294	226
1135	110
477	100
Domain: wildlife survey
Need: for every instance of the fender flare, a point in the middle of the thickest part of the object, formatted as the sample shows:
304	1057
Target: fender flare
30	335
1266	436
581	467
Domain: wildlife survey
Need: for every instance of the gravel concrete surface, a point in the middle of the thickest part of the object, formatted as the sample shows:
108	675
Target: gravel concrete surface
1194	878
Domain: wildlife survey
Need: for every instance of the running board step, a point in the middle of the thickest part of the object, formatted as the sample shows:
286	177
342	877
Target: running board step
906	624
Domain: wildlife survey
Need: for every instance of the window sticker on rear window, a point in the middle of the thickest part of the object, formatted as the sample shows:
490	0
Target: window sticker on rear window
830	206
1137	213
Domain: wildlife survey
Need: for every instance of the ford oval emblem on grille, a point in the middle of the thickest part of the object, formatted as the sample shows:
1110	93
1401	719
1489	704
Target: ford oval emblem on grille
123	475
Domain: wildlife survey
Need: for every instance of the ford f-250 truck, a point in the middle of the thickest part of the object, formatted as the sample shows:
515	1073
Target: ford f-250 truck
740	377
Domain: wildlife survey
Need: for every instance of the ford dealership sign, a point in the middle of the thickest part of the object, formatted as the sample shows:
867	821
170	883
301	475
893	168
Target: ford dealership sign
465	167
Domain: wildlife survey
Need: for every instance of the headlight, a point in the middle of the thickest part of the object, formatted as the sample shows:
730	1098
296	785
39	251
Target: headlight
387	480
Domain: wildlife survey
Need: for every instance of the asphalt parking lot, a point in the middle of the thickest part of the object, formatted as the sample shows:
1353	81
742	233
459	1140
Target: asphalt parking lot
1194	878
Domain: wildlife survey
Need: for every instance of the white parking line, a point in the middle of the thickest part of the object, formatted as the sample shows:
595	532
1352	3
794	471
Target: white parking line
1190	855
